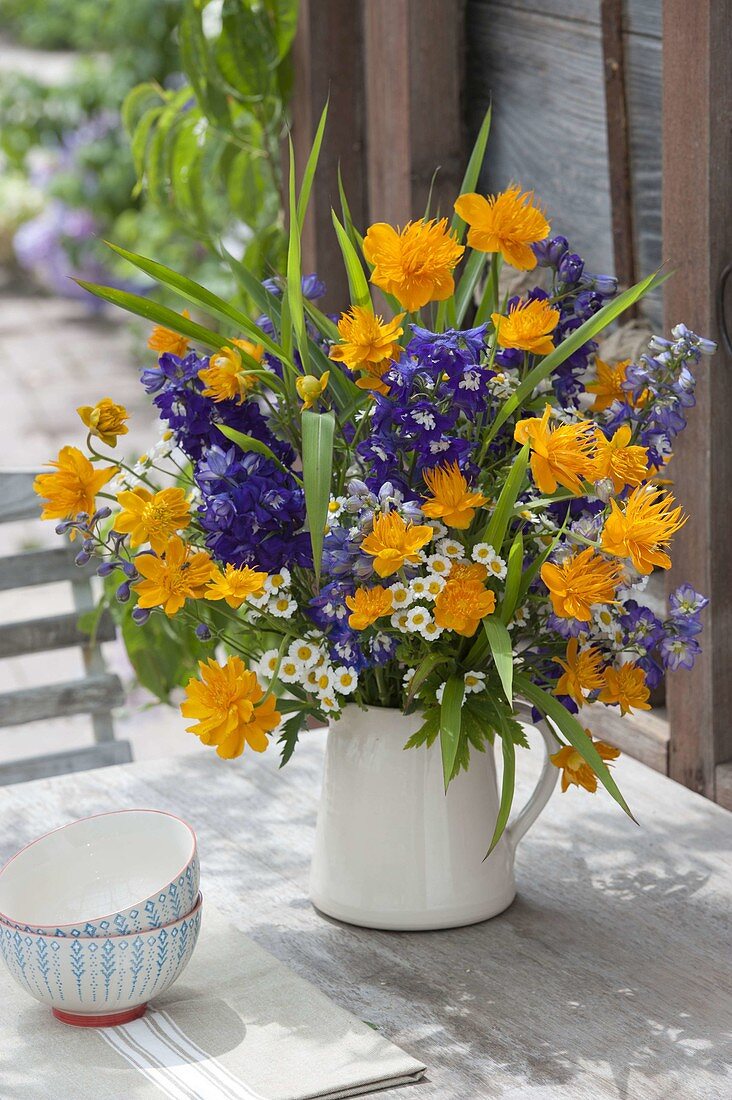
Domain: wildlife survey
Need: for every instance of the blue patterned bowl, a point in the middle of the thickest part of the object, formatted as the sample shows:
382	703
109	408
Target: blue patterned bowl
107	875
100	982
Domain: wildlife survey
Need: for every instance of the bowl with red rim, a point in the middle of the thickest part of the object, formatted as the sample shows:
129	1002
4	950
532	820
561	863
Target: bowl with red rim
100	981
112	874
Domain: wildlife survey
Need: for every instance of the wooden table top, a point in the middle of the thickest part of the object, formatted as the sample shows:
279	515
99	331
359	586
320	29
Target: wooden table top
609	976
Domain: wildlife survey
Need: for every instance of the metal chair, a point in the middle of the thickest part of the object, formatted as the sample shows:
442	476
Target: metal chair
97	692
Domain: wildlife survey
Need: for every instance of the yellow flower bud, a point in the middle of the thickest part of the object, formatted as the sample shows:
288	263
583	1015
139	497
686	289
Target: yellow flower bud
310	388
105	420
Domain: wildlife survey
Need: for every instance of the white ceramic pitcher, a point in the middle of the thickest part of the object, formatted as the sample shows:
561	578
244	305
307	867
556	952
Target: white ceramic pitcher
392	850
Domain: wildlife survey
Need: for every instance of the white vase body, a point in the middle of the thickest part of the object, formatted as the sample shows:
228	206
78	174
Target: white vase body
392	849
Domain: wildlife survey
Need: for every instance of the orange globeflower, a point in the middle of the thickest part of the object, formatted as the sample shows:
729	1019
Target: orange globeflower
164	339
582	671
559	456
230	711
152	517
367	605
528	326
182	574
574	768
608	387
226	377
462	603
73	487
616	459
452	501
579	583
369	344
508	223
627	687
392	543
235	585
106	420
414	264
643	528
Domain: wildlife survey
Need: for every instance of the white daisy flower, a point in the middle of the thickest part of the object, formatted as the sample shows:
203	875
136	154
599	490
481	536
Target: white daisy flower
520	618
328	703
345	680
440	692
258	601
335	507
604	620
323	678
282	607
439	563
439	528
400	596
290	672
484	553
407	678
276	581
303	652
310	680
417	618
433	586
266	664
451	548
431	631
474	682
399	621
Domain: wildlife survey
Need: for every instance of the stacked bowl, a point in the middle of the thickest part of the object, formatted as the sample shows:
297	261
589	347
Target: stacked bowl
101	915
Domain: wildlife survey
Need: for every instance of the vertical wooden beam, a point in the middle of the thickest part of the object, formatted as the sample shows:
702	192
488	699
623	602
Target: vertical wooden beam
328	61
697	198
618	141
414	51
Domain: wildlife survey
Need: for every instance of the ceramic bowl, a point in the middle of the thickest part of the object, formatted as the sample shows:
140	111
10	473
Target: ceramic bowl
107	875
100	982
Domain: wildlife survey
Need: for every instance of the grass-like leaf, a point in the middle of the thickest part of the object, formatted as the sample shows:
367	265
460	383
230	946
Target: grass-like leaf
153	311
294	273
357	283
568	725
495	532
309	173
450	723
251	443
472	172
501	648
317	464
508	785
514	570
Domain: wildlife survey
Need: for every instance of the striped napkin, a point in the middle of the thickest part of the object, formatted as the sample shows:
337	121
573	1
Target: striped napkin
238	1025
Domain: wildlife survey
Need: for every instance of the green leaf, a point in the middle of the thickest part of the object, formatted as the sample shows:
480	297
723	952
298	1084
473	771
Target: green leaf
513	578
317	463
532	571
499	641
294	274
576	339
251	443
289	736
508	785
353	234
310	167
358	286
153	311
472	172
568	725
450	723
468	282
495	532
427	665
427	732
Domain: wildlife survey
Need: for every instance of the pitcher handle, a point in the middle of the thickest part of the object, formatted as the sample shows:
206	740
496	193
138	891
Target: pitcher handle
542	791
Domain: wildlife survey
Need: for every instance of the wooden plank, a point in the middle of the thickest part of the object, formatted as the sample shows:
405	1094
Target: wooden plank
17	499
95	693
723	793
543	73
644	736
618	143
53	632
60	763
697	143
328	62
41	567
560	996
414	52
640	17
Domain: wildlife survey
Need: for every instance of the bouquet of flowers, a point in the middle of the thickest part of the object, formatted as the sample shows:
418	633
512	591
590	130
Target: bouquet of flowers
436	503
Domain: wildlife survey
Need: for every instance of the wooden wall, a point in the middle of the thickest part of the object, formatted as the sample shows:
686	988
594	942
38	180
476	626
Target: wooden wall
541	62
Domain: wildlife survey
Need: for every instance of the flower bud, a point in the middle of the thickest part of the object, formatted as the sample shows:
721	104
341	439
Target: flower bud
82	558
106	568
202	632
140	615
123	592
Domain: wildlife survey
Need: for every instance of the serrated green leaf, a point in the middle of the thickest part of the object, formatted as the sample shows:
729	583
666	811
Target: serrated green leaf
568	725
499	641
514	570
318	430
450	724
508	786
496	530
357	283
